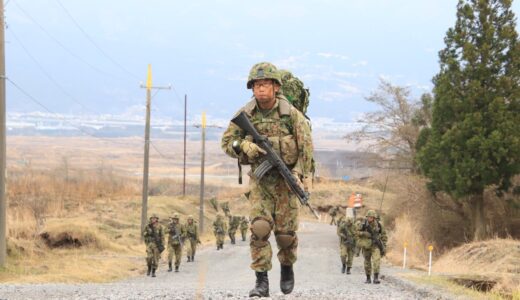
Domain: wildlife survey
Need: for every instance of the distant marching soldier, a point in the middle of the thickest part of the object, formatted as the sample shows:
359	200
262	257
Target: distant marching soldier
234	223
192	237
219	230
372	238
154	239
176	236
333	212
244	226
347	242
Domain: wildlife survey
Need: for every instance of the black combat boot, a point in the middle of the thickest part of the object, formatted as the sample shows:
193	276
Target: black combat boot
287	279
348	270
169	266
153	272
343	268
261	286
149	270
218	247
368	279
221	246
176	268
189	258
192	258
376	278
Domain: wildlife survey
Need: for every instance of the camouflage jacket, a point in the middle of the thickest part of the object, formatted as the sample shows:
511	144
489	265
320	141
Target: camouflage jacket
219	227
153	234
192	232
346	232
284	126
234	222
176	233
364	237
244	224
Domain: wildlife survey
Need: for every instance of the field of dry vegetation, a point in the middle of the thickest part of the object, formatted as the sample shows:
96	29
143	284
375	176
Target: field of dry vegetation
76	219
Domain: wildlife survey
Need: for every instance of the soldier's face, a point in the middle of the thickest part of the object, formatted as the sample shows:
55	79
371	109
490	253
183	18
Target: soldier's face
370	219
264	92
154	220
175	221
190	221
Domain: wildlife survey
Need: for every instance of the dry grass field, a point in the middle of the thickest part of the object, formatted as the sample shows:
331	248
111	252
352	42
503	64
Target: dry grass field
74	210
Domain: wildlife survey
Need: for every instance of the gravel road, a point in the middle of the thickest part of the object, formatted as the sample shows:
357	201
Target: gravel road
225	274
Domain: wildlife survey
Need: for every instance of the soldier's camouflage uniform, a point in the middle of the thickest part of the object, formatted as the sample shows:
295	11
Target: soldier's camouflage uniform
176	234
347	234
244	226
219	230
234	223
333	211
153	237
271	199
192	238
371	252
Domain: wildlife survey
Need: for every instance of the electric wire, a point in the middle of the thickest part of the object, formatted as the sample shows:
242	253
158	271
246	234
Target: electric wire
65	48
91	40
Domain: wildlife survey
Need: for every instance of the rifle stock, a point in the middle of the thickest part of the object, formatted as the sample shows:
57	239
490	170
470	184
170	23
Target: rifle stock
275	161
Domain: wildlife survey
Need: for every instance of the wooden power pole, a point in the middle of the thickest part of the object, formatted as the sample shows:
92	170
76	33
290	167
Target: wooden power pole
202	158
3	204
184	165
144	204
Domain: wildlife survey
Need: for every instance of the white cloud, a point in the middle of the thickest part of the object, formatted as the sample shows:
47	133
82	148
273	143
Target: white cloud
349	88
346	74
237	78
360	63
292	62
331	96
332	55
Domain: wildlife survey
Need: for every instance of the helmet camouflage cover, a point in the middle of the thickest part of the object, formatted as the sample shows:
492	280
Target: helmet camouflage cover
154	216
371	213
175	216
263	70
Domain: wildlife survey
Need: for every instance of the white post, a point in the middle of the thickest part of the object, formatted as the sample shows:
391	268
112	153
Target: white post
430	261
404	255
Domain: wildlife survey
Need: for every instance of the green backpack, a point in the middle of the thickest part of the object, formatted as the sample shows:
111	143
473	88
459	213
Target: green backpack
294	90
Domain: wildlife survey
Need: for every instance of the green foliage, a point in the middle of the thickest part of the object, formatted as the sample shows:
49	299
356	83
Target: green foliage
474	142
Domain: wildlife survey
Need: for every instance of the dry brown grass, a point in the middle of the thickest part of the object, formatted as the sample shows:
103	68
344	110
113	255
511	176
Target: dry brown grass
496	259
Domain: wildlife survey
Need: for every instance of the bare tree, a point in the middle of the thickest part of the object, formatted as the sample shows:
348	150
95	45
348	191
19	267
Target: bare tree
392	131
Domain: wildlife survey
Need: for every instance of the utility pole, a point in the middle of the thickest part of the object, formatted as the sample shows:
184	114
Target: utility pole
149	87
3	204
202	157
184	169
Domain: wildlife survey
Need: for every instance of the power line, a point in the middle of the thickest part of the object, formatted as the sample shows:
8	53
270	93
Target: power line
70	52
46	73
87	36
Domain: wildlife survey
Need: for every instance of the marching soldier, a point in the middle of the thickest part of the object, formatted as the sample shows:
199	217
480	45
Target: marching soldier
244	226
192	237
219	230
346	233
234	223
176	236
372	238
154	240
274	207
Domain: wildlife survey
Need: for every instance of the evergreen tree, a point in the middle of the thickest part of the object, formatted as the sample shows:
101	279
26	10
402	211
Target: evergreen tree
474	142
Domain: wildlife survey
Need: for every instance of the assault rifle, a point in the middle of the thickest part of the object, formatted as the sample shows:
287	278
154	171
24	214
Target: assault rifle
376	239
272	161
177	233
159	243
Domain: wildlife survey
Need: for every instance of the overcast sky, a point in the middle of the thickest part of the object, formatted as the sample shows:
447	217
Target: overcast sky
88	56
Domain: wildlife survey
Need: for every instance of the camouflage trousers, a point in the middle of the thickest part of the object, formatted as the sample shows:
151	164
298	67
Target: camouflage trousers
372	260
346	254
191	247
271	200
244	233
152	255
175	250
333	220
220	238
232	233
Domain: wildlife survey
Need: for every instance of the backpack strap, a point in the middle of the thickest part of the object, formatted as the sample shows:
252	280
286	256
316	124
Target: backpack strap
284	107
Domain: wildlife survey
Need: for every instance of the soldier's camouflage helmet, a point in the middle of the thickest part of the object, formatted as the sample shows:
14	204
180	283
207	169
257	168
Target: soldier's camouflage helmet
190	217
175	216
371	213
154	216
219	216
263	70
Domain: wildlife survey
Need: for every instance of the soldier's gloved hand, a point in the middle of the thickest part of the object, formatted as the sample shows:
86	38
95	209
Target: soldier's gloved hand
298	180
251	149
307	183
